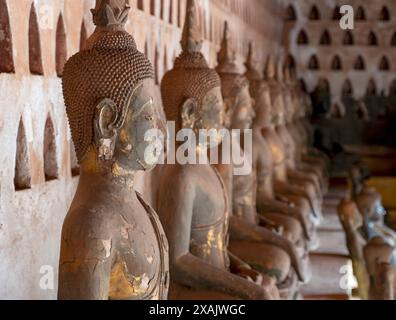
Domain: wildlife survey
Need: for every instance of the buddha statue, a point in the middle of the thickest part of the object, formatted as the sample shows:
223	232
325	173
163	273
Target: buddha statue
287	179
380	259
269	200
296	169
309	166
321	99
246	225
192	200
112	245
303	176
304	132
305	129
369	203
351	221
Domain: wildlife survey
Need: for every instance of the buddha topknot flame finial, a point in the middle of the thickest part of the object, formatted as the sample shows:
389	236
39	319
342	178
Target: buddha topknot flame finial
225	55
191	39
111	13
249	59
279	71
269	71
251	70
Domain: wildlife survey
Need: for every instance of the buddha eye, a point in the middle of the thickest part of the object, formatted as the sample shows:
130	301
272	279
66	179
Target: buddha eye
140	108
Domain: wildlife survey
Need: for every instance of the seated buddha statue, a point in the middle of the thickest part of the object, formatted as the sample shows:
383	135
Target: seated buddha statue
297	169
312	166
112	245
285	200
308	179
192	199
306	128
304	134
246	225
351	221
380	259
286	177
369	203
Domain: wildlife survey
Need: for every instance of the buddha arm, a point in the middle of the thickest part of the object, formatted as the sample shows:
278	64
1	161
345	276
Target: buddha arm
385	281
287	188
283	208
305	176
176	210
311	158
354	243
264	187
225	172
298	176
317	154
85	262
243	231
264	203
192	271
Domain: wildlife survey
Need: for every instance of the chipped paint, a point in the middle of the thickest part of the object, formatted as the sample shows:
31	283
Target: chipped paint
107	246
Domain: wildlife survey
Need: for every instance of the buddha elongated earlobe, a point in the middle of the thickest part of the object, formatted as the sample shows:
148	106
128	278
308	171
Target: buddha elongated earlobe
189	113
105	133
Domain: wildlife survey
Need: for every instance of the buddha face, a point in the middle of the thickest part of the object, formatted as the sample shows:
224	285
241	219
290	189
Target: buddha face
263	105
243	114
301	105
133	149
270	69
292	105
212	114
278	110
209	116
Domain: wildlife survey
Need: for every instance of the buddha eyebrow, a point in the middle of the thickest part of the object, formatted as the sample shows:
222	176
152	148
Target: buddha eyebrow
144	106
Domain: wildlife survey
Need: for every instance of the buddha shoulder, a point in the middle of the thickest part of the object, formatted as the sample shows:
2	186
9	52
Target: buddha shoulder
88	232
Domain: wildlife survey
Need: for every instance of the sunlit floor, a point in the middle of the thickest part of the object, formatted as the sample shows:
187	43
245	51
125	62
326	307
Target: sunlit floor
332	278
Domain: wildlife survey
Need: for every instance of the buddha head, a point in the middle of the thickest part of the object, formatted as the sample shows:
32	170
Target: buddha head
110	14
349	214
108	96
259	90
290	103
277	93
191	91
301	96
235	88
270	70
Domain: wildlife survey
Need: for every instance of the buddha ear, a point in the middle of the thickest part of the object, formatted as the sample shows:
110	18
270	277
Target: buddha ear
106	116
189	113
105	130
228	110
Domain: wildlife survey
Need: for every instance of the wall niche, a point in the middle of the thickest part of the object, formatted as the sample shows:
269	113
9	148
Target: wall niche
61	48
35	62
49	151
6	55
22	175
